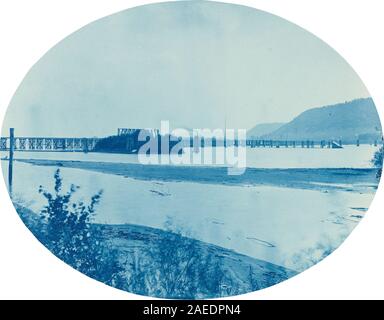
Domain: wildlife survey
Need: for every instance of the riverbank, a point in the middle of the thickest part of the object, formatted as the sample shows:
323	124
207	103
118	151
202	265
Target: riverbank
323	179
243	273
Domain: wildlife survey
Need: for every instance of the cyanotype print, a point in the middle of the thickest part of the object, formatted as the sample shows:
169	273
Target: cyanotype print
191	149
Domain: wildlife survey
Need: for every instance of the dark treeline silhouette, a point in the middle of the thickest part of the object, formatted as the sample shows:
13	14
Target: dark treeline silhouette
131	144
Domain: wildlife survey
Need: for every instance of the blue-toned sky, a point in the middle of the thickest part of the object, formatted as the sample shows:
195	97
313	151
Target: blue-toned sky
192	63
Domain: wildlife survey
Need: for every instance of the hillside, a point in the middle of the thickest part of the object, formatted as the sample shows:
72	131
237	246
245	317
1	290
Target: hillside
263	129
347	121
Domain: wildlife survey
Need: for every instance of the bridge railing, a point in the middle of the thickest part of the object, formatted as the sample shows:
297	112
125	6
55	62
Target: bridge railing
88	144
305	143
49	144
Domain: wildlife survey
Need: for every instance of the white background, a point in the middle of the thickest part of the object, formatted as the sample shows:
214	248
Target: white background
354	28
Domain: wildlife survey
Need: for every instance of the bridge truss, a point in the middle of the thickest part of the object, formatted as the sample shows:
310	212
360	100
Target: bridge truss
49	144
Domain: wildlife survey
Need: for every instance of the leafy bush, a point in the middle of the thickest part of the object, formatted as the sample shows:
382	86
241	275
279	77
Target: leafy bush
252	280
168	264
378	161
176	266
69	234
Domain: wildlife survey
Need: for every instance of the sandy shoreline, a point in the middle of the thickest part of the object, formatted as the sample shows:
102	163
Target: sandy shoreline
345	179
130	239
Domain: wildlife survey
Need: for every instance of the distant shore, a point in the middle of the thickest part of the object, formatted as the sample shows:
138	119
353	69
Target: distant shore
323	179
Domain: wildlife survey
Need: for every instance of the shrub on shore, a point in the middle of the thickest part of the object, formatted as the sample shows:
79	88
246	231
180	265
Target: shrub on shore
169	264
69	234
179	267
378	161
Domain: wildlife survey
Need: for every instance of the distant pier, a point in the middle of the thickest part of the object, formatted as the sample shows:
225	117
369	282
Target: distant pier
334	144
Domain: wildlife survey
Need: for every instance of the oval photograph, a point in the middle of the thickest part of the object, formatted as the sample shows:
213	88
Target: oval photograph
191	150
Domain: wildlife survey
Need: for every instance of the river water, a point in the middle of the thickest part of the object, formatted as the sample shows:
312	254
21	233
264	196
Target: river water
286	226
348	157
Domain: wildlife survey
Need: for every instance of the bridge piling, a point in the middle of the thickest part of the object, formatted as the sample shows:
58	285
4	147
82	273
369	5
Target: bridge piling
10	164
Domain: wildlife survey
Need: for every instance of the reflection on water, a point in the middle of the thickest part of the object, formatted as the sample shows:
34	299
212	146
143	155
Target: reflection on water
270	223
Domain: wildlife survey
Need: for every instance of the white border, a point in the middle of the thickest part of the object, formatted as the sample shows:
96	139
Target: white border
29	28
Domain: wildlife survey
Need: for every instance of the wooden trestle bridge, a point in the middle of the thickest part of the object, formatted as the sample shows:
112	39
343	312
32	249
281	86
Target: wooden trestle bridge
49	144
88	144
